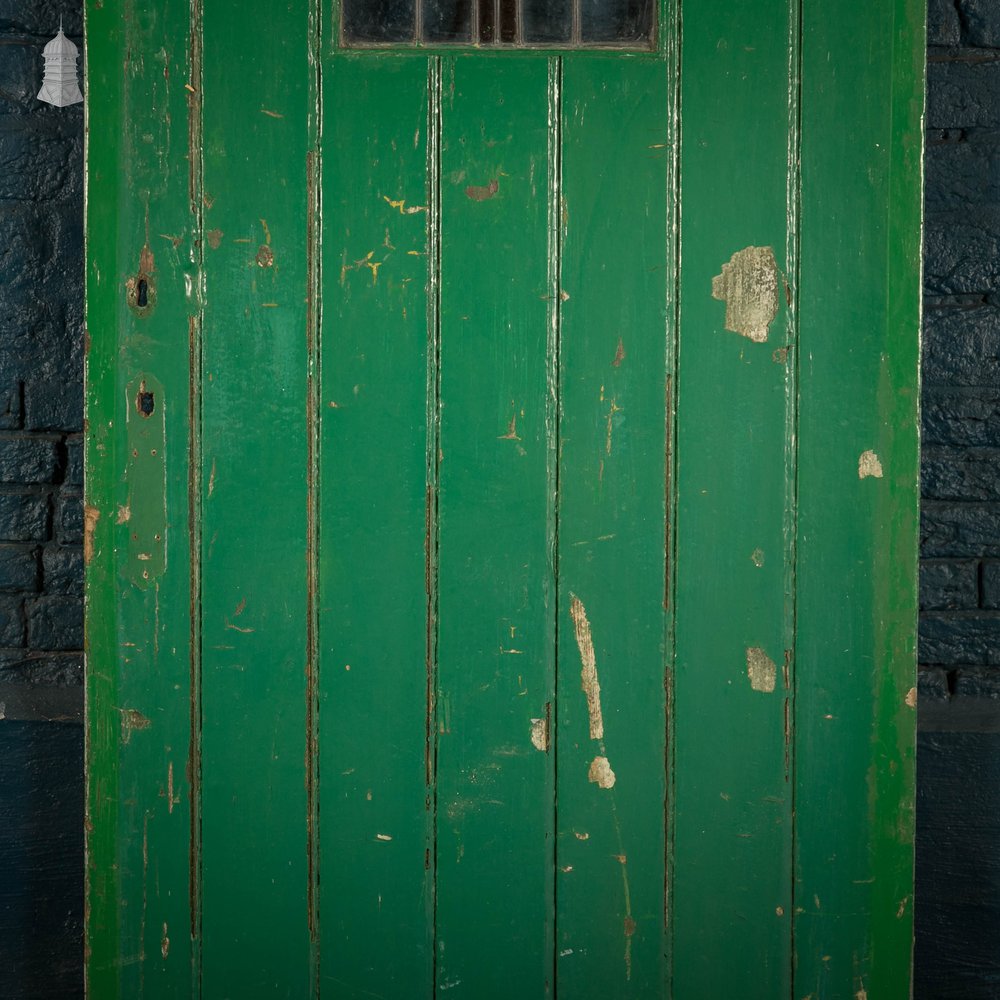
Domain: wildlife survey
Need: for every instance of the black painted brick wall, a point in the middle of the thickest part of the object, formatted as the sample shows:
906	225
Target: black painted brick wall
41	303
960	565
41	359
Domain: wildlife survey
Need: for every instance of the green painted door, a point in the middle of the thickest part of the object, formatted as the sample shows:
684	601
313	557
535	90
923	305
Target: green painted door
501	499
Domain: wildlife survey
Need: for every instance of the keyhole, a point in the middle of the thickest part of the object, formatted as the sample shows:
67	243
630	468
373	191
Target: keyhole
144	403
142	297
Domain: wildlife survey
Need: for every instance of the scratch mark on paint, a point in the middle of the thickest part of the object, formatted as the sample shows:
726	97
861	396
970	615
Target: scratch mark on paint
171	801
383	837
211	479
619	354
581	836
511	434
401	206
477	193
132	720
165	943
145	883
270	114
615	408
267	232
366	261
91	515
902	907
748	285
869	465
600	773
760	669
588	668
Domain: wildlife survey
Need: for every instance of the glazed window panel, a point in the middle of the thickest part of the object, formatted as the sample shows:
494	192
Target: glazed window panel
514	24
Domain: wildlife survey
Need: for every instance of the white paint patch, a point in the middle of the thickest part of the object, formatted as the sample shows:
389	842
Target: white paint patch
588	668
748	285
869	465
600	773
760	669
540	734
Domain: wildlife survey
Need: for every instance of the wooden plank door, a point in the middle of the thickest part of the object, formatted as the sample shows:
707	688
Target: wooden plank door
501	499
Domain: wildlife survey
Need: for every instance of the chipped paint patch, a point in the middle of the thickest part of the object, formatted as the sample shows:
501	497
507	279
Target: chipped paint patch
91	515
477	193
911	698
748	285
588	671
540	734
600	773
214	237
757	557
132	720
869	465
760	669
165	943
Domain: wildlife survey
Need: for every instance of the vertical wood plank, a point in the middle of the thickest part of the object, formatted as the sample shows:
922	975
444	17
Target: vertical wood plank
614	352
376	879
496	670
139	923
255	609
858	495
733	808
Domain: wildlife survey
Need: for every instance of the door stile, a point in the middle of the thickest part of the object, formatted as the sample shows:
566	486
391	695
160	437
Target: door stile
142	302
858	497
